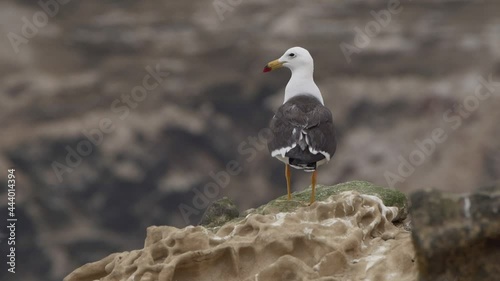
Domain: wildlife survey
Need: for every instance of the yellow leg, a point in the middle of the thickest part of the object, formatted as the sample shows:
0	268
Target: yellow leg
288	176
313	186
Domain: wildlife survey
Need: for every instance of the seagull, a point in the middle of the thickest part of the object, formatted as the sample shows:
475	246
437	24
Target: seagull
303	130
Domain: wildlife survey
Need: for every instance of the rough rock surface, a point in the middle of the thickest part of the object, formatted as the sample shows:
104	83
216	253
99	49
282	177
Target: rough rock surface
220	212
348	236
457	237
390	197
224	210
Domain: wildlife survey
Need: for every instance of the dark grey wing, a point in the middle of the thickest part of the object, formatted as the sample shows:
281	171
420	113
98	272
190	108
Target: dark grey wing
303	129
286	127
320	130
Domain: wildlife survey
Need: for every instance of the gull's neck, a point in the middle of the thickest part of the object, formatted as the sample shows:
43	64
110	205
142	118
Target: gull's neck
302	82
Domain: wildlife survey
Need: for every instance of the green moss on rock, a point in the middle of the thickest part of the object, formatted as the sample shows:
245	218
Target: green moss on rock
390	197
220	212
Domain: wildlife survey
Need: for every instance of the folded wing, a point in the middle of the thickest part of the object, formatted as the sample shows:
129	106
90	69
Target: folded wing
303	132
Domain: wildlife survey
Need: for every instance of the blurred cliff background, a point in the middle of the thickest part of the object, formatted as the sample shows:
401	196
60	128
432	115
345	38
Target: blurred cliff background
101	151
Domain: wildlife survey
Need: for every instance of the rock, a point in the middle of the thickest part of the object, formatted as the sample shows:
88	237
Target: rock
224	210
220	212
390	197
94	270
346	236
457	237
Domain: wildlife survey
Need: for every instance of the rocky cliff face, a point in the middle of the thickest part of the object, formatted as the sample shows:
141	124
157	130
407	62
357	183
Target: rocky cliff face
348	236
101	151
355	231
457	236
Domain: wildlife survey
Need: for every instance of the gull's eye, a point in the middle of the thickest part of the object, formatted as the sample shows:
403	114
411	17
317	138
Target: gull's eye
291	55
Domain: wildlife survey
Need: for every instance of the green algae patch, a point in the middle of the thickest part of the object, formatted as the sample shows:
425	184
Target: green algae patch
390	197
223	211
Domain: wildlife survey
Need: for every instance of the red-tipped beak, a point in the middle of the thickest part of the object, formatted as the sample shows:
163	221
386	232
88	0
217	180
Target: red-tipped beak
275	64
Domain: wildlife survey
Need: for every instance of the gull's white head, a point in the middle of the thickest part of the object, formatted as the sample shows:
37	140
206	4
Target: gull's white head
296	58
300	62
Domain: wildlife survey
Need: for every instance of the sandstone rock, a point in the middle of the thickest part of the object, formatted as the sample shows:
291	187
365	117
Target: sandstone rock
348	236
457	237
390	197
224	210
